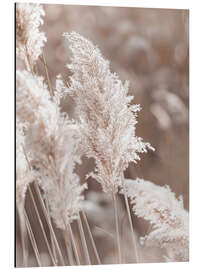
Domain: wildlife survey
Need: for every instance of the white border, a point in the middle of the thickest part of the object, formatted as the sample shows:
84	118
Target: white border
196	134
121	3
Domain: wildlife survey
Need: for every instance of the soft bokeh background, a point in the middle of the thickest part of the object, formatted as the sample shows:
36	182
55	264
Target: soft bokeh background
150	48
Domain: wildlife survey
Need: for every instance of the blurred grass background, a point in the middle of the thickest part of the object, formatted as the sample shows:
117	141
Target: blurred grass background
148	47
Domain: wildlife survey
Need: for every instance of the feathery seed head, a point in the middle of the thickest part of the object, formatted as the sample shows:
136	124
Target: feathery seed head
34	107
165	212
107	120
29	40
24	175
52	140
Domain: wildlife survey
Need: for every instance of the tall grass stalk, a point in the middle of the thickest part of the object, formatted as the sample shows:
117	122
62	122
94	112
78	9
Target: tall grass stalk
131	229
23	235
69	229
91	237
51	237
42	227
117	228
84	243
49	223
105	232
45	214
32	239
68	247
47	74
